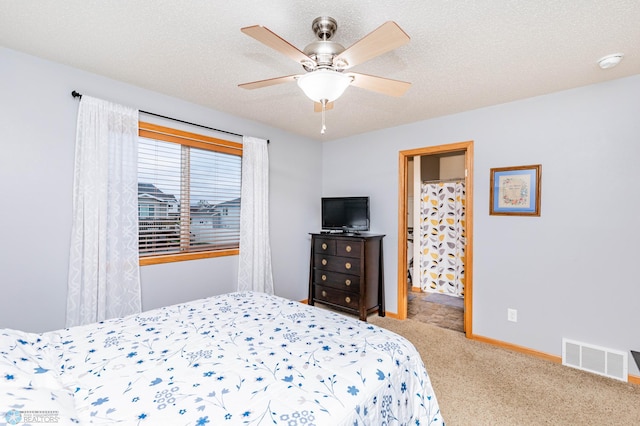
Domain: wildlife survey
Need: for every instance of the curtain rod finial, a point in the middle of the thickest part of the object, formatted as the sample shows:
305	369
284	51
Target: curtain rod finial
76	94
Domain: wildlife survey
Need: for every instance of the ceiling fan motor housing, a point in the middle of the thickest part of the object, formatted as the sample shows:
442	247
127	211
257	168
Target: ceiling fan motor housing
322	51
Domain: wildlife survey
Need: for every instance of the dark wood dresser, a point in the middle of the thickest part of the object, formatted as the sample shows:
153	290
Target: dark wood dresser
346	273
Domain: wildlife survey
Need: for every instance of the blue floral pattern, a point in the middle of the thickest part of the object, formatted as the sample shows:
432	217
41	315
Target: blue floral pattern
239	359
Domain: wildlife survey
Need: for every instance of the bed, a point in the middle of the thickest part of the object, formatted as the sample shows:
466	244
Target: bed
243	358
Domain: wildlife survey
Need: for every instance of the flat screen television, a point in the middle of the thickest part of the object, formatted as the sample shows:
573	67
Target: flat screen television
346	214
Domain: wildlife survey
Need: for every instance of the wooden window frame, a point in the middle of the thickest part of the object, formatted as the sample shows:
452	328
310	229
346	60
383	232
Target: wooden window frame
194	140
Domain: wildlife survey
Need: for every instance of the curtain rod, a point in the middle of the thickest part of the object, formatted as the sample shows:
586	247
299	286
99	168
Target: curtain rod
443	180
76	94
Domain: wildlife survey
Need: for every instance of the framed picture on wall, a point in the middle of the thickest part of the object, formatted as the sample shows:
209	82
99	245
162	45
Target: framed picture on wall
515	191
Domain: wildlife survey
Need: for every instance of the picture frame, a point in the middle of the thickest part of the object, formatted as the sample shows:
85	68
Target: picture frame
515	191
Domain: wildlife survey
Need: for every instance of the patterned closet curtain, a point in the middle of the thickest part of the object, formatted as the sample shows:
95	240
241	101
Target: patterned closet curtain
442	238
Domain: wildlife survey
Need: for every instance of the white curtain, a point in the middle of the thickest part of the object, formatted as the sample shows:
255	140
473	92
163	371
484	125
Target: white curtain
442	238
254	264
104	276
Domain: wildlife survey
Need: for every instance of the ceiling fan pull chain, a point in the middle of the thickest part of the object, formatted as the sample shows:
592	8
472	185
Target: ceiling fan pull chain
324	127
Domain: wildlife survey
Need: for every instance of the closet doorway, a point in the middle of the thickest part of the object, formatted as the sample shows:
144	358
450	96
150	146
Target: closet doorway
427	173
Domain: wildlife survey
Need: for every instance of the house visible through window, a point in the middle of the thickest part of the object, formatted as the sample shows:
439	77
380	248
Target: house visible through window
188	195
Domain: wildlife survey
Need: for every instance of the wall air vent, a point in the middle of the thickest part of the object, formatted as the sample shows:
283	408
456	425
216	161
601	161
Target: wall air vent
595	359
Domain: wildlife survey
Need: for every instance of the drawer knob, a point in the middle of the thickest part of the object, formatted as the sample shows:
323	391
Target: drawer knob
347	299
324	293
348	249
348	282
324	246
324	277
324	261
347	265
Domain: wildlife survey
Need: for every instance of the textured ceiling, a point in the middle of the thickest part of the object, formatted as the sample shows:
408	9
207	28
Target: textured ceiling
462	54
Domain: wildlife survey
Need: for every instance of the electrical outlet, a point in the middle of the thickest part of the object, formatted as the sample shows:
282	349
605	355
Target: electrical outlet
512	315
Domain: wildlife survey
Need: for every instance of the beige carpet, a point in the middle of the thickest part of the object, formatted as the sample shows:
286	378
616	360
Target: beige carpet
479	384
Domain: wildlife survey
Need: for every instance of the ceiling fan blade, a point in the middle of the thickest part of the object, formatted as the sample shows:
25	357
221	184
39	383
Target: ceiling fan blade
386	86
268	82
385	38
274	41
317	106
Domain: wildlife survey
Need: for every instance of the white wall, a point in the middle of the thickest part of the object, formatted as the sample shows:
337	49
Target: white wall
37	135
571	271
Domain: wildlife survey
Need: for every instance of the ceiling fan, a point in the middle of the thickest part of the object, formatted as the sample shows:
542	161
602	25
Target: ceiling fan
326	61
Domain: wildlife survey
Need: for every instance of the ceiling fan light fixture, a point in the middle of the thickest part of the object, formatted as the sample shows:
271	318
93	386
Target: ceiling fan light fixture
324	85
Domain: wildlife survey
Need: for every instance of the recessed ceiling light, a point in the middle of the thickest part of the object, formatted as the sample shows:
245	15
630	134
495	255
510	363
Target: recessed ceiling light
610	61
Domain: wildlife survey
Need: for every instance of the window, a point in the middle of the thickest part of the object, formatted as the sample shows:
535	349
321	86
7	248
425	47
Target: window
188	195
144	210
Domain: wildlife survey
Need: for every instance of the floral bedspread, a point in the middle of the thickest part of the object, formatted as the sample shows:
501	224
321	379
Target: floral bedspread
236	359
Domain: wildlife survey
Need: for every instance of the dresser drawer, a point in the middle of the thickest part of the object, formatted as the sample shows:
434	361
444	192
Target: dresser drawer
337	297
324	246
346	265
344	282
348	248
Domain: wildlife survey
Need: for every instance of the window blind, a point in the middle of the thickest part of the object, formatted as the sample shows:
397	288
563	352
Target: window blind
189	188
